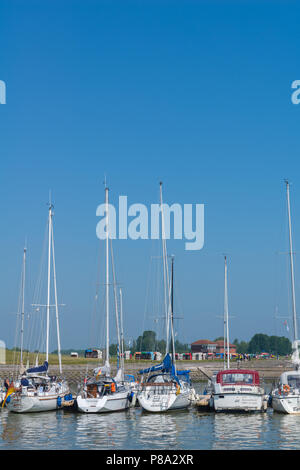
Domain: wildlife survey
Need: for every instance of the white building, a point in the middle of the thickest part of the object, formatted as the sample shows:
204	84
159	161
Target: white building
2	352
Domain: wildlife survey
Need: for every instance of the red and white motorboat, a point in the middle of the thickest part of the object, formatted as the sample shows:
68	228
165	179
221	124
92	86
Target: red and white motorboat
238	390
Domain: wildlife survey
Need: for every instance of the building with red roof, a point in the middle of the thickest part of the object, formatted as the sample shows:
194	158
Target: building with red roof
214	348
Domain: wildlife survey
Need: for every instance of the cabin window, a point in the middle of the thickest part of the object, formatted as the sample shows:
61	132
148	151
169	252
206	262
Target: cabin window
294	381
235	378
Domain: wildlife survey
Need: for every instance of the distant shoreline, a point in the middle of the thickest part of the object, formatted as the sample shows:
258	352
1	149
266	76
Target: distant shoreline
269	369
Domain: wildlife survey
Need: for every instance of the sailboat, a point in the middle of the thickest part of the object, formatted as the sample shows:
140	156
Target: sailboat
34	389
164	387
102	392
285	398
235	389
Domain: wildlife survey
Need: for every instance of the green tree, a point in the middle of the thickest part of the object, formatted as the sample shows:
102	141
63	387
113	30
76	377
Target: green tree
259	343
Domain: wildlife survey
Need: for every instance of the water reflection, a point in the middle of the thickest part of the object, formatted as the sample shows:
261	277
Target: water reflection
239	430
101	431
135	429
34	431
285	431
159	430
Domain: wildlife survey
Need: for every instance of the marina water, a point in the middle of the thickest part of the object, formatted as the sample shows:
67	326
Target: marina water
135	429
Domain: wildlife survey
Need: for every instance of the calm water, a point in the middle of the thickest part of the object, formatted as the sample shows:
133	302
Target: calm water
134	429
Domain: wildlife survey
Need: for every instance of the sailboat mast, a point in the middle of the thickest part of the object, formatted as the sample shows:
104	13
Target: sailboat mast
226	312
172	310
49	274
165	271
107	276
23	303
292	272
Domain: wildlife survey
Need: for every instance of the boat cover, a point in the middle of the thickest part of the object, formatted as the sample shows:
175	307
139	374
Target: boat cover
42	368
165	366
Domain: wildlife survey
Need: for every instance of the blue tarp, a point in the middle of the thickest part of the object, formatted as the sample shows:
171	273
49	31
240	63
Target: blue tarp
165	366
186	373
42	368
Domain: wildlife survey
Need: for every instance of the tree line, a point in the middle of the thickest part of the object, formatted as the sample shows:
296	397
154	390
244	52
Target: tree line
277	345
263	343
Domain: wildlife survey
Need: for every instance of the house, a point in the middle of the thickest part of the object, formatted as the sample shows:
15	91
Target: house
211	348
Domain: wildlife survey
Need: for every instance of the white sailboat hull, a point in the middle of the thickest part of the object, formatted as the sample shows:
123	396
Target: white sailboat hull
33	404
116	402
157	403
238	402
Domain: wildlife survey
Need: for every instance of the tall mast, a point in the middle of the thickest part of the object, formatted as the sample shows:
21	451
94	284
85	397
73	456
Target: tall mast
295	344
226	313
172	311
107	277
165	271
23	302
49	274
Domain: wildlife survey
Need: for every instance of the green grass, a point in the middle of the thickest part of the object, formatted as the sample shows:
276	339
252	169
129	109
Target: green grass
13	357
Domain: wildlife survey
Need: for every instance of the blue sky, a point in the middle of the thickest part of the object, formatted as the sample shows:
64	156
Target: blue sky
196	94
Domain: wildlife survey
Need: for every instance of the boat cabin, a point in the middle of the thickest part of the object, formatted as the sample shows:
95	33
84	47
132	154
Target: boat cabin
238	377
100	387
291	378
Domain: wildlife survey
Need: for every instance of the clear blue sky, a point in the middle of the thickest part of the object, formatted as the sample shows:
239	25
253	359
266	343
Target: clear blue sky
194	93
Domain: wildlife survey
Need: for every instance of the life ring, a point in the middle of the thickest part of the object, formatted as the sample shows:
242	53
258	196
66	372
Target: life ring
286	388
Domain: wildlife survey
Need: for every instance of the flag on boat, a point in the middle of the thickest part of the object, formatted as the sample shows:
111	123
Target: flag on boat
10	390
104	370
287	326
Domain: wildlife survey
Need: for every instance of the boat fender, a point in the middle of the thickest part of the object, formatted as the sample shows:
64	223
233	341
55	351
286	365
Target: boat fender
269	402
59	401
68	397
177	389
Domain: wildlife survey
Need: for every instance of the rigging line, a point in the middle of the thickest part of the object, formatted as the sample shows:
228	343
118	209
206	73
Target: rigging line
96	295
166	271
56	303
16	336
115	294
146	297
38	293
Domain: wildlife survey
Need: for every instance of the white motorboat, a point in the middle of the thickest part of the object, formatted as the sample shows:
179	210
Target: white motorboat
285	398
238	390
235	389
